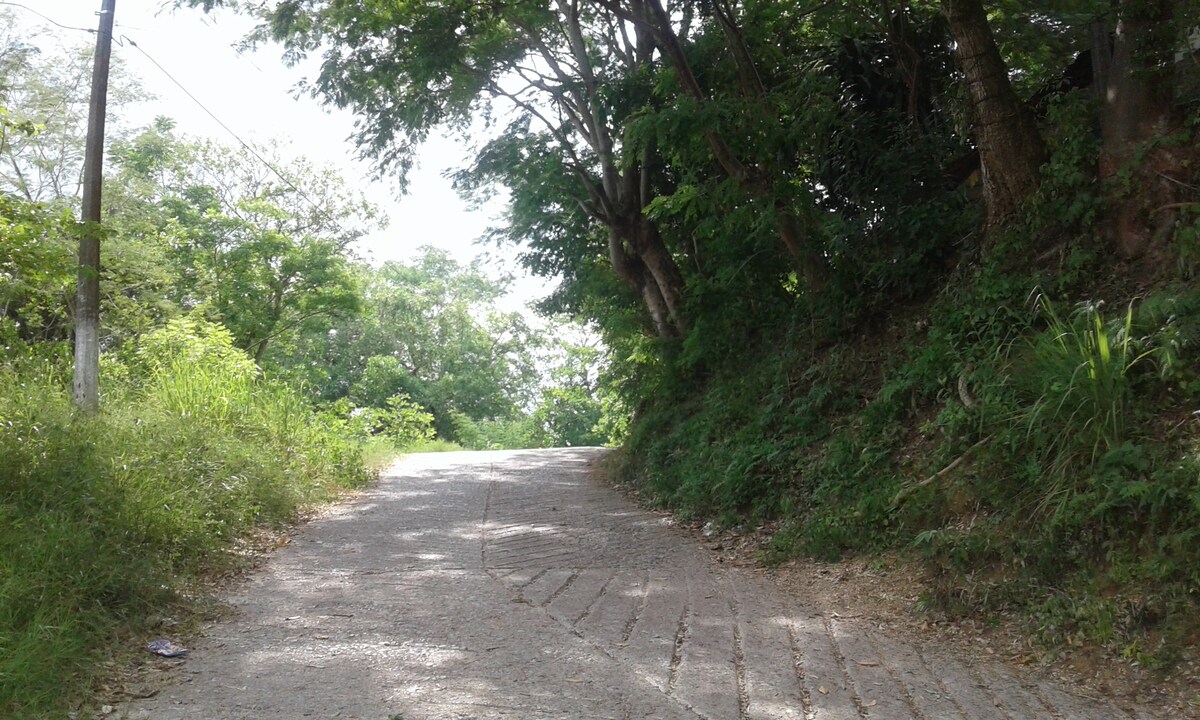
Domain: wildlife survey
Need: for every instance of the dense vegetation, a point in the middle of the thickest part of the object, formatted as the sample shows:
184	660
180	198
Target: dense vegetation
899	274
253	365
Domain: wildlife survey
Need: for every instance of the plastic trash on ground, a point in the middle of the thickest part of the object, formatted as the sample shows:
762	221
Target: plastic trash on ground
166	648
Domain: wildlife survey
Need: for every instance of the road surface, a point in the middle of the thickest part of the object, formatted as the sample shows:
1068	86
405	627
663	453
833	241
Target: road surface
480	586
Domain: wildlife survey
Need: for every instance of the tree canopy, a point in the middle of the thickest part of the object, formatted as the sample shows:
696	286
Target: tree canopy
692	145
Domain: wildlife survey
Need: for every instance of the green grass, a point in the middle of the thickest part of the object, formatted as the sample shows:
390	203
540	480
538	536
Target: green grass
1074	391
109	522
379	453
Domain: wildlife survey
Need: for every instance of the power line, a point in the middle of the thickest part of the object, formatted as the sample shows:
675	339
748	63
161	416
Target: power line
249	148
48	19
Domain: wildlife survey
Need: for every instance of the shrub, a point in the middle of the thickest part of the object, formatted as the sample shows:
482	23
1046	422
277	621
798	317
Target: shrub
106	520
407	422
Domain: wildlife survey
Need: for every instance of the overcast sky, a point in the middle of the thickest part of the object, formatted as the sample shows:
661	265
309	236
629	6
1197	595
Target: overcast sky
253	93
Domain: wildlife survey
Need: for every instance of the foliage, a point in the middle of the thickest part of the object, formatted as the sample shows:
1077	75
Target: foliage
403	422
36	275
568	417
110	520
44	86
430	330
266	257
188	342
1080	444
1077	422
505	434
572	409
1075	391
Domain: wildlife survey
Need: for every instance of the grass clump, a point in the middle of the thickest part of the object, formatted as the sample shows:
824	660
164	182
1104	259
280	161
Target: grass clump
108	521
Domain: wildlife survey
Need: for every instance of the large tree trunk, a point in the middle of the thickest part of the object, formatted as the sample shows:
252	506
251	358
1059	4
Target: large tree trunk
633	271
1010	148
1137	111
662	267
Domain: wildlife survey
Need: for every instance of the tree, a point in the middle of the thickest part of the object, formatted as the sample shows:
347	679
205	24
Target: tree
429	329
570	413
407	68
45	85
1011	149
764	176
36	272
266	248
1138	73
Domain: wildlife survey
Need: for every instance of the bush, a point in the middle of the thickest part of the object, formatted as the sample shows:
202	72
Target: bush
1085	496
500	434
106	520
568	417
406	422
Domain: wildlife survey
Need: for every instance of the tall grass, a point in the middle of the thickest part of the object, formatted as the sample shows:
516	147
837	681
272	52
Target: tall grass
107	521
1076	389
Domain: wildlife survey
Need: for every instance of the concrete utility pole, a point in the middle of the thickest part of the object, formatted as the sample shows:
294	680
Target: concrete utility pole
87	295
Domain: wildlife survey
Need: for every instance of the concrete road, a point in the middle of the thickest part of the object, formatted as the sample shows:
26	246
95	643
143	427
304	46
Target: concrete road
512	585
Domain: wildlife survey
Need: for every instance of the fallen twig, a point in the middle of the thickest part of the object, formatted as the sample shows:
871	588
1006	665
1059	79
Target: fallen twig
1175	206
905	492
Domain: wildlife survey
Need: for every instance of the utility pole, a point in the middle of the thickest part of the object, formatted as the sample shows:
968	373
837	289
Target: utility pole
87	294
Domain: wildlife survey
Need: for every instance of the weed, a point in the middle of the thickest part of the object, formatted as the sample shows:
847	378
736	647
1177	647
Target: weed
1079	378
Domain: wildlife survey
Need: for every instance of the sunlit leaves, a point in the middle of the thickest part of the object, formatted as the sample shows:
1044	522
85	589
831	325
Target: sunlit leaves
36	271
263	254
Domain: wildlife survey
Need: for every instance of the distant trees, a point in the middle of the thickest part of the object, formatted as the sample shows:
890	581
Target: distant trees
44	89
263	248
262	252
428	329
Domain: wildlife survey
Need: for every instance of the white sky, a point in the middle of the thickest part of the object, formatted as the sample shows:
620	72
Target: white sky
253	94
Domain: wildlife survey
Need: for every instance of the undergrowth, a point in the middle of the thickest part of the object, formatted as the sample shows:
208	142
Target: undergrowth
1038	458
108	522
1020	419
